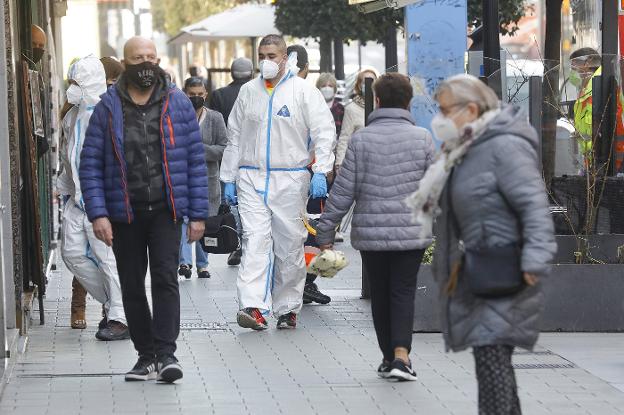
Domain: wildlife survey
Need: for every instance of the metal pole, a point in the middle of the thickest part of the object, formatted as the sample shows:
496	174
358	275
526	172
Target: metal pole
608	103
491	45
535	110
339	58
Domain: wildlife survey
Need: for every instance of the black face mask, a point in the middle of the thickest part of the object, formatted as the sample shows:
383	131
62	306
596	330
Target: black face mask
197	101
143	75
37	54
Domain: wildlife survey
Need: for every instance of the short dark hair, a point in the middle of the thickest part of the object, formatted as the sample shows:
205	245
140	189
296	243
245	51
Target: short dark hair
393	90
276	40
193	81
302	55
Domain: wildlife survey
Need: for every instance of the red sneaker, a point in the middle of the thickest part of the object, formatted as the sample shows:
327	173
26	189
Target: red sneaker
287	321
251	318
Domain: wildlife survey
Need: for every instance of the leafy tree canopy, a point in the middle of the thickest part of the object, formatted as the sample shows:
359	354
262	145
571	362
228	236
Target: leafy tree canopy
509	12
333	19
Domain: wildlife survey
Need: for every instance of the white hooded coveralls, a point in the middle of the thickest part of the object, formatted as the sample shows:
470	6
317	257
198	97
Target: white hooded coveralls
272	140
88	258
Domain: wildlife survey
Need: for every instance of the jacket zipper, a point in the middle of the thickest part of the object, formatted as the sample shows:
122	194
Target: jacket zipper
147	161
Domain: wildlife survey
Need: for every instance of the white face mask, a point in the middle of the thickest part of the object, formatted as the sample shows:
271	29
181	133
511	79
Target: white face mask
74	94
269	69
328	93
444	128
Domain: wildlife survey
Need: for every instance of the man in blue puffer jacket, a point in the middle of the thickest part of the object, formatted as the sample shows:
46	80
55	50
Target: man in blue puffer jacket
142	170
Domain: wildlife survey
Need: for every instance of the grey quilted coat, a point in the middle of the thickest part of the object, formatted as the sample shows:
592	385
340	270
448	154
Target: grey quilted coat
383	165
214	137
498	197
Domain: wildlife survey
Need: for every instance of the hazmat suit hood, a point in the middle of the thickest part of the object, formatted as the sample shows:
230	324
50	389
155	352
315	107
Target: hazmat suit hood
89	74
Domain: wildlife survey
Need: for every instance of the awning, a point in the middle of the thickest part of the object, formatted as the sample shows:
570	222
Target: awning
244	21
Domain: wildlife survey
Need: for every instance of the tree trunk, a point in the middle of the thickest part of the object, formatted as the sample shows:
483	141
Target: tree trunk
550	87
339	58
326	54
392	58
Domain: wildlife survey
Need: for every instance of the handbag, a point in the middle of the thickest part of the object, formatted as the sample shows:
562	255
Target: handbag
220	234
490	272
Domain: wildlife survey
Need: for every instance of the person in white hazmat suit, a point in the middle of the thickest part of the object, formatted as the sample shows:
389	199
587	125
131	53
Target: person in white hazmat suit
278	126
88	258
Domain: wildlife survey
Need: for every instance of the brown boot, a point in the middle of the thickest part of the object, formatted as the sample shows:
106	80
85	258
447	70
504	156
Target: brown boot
78	305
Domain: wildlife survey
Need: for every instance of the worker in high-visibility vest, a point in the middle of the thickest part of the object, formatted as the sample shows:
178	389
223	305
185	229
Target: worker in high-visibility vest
586	64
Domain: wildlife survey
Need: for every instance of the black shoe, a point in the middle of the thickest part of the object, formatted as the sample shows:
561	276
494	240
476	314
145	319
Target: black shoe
185	271
102	324
401	371
145	369
311	293
235	257
169	370
383	371
251	318
203	273
287	321
113	330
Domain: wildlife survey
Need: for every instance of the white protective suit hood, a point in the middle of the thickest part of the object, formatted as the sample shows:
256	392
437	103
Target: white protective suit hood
89	74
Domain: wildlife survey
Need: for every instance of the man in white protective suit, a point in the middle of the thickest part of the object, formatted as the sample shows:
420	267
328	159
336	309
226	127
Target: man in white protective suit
278	126
88	258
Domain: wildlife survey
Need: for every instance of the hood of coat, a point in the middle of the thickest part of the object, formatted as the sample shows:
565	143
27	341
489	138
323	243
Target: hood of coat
511	120
390	113
89	74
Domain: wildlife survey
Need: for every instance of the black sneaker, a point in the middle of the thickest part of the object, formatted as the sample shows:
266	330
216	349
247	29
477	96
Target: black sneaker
203	273
401	371
383	371
311	293
287	321
102	324
251	318
235	257
185	271
113	330
145	369
169	370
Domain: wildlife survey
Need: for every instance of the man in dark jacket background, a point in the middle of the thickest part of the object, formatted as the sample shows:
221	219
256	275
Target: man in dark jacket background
222	100
142	170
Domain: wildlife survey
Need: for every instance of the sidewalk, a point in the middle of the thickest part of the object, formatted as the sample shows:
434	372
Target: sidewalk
327	366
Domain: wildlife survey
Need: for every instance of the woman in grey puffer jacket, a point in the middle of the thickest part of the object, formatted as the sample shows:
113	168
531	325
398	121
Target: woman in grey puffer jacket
498	198
383	165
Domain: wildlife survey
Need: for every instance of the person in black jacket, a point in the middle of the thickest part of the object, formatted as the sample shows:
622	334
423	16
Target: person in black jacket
222	100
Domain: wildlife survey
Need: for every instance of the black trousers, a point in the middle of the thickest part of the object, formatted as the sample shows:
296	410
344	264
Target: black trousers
392	277
498	392
155	237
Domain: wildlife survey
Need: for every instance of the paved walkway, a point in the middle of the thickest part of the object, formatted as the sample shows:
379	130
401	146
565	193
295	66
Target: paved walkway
326	366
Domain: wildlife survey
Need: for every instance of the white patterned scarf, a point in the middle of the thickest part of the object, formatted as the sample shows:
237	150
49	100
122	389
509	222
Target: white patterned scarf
424	202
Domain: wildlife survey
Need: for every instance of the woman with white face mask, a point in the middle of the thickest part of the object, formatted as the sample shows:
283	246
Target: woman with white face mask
494	233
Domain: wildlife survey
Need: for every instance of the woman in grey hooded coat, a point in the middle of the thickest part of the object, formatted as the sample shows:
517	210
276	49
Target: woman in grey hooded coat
487	177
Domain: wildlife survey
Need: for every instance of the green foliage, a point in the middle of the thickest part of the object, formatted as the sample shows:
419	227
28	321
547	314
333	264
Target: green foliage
510	11
169	16
333	19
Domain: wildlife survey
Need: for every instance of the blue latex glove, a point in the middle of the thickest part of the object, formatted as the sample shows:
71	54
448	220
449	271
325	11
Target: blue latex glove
229	191
318	186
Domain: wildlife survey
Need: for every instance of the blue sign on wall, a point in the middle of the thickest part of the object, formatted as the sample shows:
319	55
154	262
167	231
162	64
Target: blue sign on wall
436	47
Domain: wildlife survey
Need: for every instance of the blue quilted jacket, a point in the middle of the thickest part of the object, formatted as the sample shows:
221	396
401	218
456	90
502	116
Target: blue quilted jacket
103	166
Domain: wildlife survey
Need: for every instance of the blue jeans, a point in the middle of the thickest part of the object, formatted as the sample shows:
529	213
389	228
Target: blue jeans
186	250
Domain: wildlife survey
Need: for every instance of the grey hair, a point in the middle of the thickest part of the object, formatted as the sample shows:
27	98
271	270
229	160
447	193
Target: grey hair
466	89
326	78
